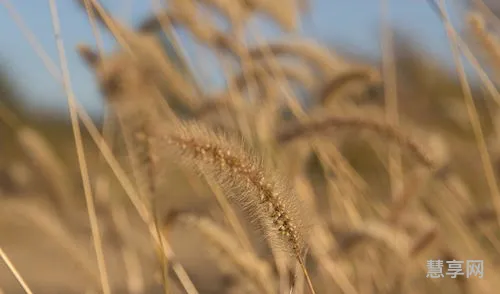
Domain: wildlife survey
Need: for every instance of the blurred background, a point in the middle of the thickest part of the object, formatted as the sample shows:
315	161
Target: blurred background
349	27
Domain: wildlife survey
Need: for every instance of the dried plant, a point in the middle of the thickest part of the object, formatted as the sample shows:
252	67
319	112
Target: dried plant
266	197
285	175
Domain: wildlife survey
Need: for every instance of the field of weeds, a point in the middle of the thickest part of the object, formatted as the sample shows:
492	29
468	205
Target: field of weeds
311	172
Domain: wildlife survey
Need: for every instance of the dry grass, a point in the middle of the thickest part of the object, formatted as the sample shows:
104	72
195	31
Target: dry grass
247	190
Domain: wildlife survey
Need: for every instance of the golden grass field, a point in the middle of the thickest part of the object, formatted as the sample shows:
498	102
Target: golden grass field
387	165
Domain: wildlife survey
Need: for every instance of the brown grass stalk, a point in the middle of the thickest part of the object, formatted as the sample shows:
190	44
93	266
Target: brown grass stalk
263	194
301	131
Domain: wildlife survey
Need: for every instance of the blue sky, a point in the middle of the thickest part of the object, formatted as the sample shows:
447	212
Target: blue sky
352	24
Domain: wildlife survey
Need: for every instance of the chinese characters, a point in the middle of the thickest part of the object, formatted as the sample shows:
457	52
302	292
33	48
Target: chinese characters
455	268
